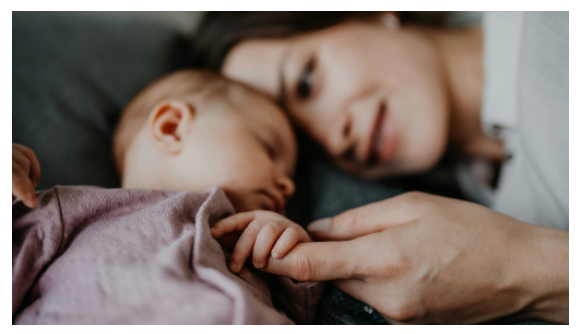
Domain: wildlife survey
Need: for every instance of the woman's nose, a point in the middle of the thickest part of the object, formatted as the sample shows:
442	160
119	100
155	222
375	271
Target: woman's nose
286	186
362	112
340	138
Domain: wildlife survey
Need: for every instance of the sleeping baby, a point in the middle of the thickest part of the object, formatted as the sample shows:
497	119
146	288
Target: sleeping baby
192	149
192	130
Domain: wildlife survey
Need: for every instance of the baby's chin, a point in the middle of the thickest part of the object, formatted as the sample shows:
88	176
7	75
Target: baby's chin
242	203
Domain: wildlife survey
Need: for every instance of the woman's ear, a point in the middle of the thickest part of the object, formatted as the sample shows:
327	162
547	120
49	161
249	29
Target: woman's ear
390	20
169	123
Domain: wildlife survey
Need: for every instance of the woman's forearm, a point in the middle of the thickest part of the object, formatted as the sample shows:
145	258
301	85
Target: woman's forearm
547	277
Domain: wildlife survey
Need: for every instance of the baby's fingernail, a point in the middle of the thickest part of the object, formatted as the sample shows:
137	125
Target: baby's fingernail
233	267
257	264
320	225
275	255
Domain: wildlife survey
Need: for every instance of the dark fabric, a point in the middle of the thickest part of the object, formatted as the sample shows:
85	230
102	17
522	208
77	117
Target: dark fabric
339	308
72	74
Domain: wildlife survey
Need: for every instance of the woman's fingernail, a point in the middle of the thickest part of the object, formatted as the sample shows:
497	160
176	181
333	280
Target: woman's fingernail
320	225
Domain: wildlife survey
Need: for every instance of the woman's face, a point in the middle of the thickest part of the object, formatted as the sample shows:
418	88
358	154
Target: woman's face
374	98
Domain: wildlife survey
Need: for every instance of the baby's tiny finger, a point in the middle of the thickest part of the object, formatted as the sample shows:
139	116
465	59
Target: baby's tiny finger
290	237
34	166
236	222
22	188
243	249
22	160
266	238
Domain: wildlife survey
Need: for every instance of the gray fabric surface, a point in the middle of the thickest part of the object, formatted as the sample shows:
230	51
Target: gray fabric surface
71	76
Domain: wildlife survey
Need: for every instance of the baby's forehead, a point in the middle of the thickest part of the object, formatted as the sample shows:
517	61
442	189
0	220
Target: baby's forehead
188	85
223	97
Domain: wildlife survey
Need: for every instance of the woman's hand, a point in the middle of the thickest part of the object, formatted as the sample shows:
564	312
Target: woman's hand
419	258
25	174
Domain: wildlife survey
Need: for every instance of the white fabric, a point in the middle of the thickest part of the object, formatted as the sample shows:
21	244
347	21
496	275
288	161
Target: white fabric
526	104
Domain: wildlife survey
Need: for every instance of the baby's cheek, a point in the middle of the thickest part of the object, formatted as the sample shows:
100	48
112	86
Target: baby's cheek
243	201
245	179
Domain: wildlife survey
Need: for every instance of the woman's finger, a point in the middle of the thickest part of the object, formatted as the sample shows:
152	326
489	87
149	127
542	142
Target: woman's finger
22	188
236	222
371	218
266	238
290	237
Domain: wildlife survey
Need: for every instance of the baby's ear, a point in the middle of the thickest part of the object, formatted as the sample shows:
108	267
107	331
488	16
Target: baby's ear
169	123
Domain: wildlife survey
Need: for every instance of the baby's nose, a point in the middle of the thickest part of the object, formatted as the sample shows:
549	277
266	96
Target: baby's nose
286	186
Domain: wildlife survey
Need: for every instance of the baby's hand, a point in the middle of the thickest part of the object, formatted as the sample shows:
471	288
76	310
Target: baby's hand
25	174
264	232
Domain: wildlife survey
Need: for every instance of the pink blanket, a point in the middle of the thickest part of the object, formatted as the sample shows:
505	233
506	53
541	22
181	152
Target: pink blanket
88	255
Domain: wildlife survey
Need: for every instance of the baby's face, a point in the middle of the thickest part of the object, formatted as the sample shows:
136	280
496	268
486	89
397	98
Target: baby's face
243	143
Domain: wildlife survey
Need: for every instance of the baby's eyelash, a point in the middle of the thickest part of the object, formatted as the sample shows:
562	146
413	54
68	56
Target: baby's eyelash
269	149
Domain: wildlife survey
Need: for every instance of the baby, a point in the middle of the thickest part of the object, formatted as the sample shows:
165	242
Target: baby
191	130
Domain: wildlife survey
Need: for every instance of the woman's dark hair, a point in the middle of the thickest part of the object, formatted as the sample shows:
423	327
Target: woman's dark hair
220	31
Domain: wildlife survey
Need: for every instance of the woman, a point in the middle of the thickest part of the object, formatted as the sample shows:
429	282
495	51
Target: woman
386	99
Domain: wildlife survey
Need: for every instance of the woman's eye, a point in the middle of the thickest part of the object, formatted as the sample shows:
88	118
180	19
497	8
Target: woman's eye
306	80
270	152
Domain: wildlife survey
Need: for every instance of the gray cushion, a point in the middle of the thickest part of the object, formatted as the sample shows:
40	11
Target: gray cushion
72	73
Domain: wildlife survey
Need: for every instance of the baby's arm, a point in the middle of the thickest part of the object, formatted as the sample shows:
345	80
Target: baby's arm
264	232
25	174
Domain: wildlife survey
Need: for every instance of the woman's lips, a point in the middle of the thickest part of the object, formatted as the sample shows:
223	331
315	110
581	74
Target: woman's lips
383	138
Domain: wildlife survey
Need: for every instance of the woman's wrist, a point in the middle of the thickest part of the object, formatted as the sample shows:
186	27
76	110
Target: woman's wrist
544	274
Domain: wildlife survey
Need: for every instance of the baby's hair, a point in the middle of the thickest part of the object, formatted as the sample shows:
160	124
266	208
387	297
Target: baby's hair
176	85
